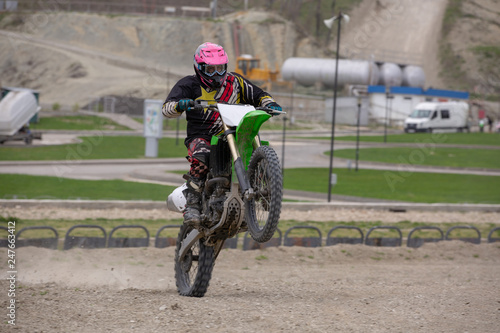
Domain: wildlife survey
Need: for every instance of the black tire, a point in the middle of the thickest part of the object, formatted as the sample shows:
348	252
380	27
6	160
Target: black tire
193	273
266	180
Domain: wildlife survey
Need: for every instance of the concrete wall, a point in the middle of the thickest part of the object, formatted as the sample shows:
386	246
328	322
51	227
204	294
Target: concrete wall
302	107
346	111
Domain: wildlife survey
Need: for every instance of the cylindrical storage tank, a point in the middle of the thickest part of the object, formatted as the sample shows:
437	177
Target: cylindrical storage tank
303	70
390	75
350	72
413	76
308	71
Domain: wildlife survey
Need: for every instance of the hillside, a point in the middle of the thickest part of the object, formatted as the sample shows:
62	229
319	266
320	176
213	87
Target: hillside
470	47
74	57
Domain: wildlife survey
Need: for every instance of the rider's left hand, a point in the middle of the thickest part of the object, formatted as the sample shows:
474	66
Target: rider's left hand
184	104
275	106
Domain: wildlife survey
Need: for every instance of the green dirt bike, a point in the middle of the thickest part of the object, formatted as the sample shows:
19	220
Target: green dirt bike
253	203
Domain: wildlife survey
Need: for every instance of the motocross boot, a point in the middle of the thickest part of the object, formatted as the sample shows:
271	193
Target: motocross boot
192	214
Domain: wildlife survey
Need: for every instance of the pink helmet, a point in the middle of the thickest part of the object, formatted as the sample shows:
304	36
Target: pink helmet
210	64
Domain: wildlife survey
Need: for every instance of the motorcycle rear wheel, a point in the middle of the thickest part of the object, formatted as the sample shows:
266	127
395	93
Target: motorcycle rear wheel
193	273
263	211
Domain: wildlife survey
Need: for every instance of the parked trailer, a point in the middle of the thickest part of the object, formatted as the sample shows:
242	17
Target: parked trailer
17	108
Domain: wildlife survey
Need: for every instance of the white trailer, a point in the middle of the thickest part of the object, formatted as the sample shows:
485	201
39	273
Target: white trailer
16	110
428	116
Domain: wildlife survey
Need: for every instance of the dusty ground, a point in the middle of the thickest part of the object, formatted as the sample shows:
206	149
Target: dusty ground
444	287
450	286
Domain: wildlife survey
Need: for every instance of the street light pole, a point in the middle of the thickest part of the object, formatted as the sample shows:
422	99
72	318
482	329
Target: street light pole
357	132
329	24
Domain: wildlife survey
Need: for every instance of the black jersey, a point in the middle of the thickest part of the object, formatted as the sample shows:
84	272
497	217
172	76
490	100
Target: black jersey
205	124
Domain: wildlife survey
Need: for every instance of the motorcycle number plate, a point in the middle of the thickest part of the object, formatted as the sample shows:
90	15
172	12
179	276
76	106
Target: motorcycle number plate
232	114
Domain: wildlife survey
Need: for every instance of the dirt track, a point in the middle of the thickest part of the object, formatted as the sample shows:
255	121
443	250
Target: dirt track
451	286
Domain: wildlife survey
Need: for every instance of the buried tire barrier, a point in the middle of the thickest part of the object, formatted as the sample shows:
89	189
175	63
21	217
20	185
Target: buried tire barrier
128	241
231	243
92	242
384	241
49	243
85	242
162	242
344	240
475	240
303	241
4	242
492	239
418	242
250	244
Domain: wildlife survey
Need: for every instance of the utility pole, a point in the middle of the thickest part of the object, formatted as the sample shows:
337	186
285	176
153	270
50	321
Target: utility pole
214	9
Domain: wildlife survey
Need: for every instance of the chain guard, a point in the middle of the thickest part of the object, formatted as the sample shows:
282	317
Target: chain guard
231	219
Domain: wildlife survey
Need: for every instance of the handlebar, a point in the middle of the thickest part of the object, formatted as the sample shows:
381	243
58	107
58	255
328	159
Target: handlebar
199	105
272	112
196	107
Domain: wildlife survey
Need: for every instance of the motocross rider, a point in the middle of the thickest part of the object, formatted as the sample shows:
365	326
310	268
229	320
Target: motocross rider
211	82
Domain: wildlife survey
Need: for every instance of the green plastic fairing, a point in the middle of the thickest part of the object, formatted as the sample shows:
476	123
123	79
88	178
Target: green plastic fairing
247	130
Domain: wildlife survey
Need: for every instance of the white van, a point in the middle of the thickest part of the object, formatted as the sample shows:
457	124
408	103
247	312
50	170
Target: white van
430	116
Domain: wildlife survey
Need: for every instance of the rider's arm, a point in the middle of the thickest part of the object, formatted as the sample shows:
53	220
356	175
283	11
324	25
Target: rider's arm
169	109
183	90
252	94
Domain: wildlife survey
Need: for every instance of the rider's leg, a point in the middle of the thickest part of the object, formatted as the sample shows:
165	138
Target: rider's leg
199	152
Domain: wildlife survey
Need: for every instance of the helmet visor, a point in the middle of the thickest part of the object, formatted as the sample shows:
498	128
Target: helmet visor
211	70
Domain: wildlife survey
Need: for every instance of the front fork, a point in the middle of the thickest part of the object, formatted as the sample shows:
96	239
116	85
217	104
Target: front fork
248	193
239	167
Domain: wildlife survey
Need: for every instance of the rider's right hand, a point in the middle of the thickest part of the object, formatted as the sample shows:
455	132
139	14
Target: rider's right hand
184	104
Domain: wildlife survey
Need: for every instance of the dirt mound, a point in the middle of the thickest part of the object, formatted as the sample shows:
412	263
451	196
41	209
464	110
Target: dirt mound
81	56
447	286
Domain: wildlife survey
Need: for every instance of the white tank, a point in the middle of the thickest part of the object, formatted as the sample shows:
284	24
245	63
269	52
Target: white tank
390	75
308	71
413	76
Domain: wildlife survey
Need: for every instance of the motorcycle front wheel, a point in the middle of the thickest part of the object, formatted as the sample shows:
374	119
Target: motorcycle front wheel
194	271
263	211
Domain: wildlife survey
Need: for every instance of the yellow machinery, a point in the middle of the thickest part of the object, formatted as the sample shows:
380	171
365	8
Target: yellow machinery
249	67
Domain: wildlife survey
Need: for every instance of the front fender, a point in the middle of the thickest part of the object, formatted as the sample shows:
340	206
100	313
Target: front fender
247	130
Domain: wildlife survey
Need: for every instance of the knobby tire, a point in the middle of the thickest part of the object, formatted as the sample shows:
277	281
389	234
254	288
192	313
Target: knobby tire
266	180
193	273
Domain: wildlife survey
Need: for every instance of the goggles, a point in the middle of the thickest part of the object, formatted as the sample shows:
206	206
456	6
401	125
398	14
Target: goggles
211	70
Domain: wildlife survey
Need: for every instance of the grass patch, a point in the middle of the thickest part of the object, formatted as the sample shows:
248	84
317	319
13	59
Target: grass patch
452	14
44	187
94	147
487	51
427	139
446	157
401	185
77	123
170	124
